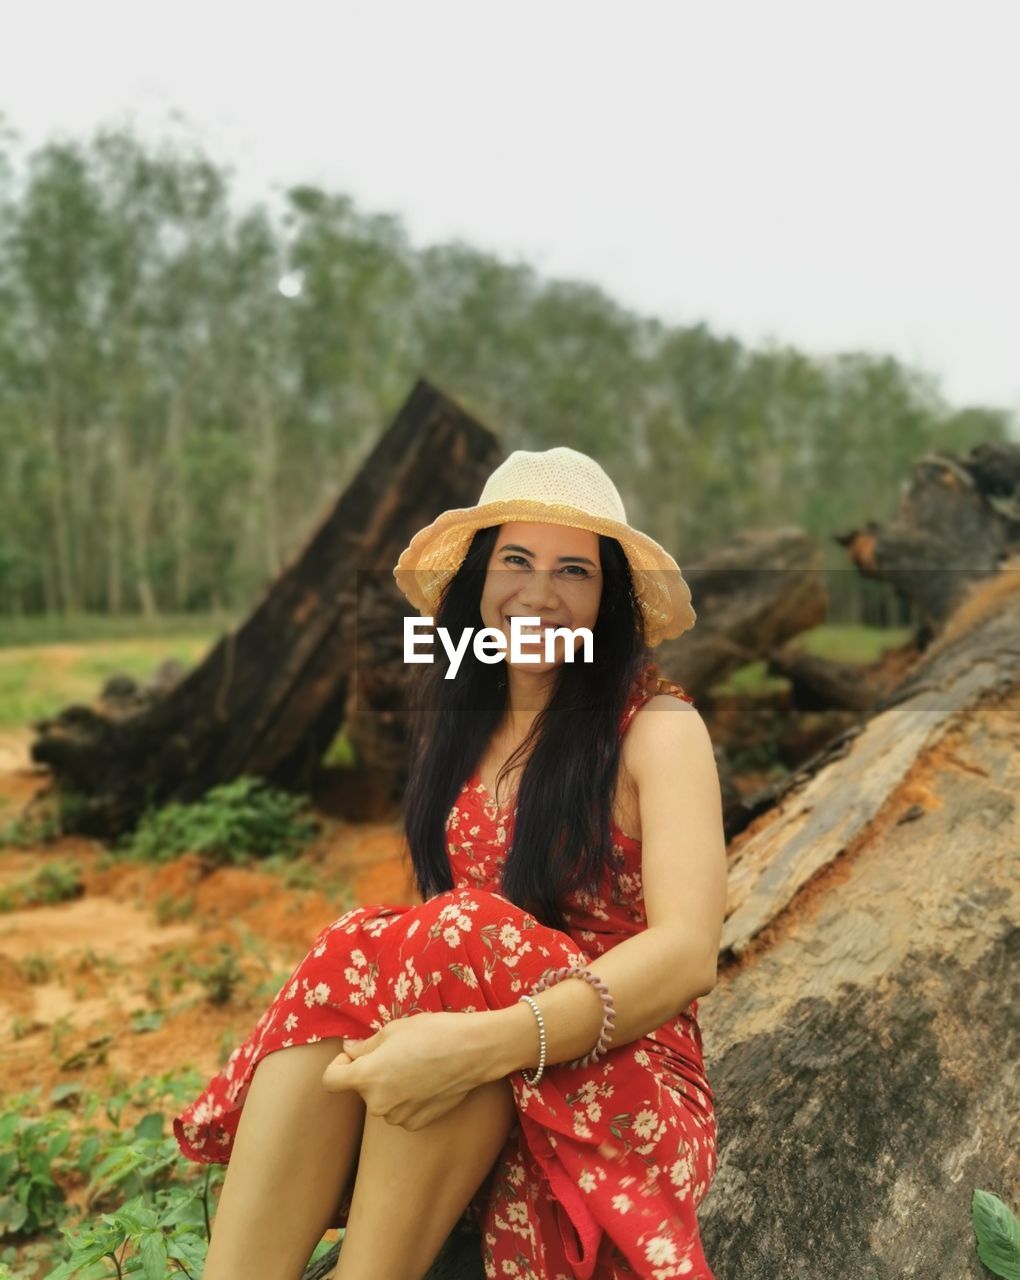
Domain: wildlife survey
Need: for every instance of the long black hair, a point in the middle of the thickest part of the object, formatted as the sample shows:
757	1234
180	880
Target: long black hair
561	833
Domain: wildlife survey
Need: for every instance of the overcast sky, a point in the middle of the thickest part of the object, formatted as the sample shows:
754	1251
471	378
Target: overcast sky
836	174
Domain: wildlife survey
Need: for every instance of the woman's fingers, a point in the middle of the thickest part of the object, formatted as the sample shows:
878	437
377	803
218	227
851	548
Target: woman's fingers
336	1080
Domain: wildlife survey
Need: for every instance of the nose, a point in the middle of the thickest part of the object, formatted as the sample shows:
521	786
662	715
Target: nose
539	591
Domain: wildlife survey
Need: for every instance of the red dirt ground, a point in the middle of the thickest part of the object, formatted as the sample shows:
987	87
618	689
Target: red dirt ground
71	974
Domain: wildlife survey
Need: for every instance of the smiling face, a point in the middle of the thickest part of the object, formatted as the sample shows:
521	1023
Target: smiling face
545	571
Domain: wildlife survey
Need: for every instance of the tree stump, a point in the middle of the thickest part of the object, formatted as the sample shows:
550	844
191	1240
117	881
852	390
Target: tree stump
958	522
268	699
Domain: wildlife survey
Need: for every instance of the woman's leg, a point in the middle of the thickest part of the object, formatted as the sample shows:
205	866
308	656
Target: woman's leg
292	1155
413	1185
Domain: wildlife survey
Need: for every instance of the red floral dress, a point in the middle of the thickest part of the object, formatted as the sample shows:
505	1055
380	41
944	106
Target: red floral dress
605	1166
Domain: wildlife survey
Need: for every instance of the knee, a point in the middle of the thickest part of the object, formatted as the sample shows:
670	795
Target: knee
454	904
470	893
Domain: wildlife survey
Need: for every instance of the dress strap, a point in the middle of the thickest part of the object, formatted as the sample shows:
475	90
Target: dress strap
648	686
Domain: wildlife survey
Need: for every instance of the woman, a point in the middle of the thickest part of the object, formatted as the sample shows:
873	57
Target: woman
564	821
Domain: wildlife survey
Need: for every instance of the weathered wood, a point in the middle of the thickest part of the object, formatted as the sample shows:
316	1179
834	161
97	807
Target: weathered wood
269	698
861	1039
959	520
836	807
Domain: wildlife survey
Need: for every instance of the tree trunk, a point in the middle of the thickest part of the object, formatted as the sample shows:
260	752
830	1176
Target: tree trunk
268	699
180	502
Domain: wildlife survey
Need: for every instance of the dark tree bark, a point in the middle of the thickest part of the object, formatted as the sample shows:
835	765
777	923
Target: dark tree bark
268	699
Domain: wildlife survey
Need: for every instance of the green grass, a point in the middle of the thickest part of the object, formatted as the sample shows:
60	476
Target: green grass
862	645
88	628
47	664
853	644
40	681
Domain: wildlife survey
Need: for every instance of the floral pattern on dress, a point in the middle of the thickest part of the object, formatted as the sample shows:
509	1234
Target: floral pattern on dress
605	1166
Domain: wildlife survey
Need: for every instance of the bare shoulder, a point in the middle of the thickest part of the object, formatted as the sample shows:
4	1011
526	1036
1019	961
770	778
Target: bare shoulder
659	716
664	727
666	702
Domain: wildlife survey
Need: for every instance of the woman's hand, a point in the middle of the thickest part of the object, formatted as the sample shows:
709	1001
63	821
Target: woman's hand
414	1070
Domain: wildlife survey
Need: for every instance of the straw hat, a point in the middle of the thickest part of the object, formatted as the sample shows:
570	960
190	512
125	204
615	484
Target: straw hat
555	486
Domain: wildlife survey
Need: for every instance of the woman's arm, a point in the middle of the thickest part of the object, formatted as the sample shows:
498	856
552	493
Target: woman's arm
652	978
654	975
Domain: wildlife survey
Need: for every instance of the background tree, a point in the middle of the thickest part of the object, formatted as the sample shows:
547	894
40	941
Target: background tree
185	384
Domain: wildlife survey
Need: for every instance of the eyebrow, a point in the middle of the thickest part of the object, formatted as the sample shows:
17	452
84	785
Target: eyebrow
510	546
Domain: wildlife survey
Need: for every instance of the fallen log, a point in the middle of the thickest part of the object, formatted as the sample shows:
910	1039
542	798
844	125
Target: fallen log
819	683
858	1040
751	595
269	697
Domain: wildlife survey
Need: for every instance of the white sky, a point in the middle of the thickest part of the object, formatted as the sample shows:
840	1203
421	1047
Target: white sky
836	174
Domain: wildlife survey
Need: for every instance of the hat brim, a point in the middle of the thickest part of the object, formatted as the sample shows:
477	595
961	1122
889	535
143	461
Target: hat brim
436	552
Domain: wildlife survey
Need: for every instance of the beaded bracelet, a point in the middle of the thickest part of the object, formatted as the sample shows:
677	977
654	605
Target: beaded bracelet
547	979
541	1041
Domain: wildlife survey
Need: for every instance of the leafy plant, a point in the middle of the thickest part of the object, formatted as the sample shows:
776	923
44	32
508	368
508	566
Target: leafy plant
142	1160
231	824
221	977
153	1238
23	1261
32	1149
39	826
57	882
998	1234
44	819
169	908
37	967
146	1020
148	1209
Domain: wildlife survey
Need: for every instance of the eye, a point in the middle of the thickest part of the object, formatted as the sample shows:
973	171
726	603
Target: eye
582	572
